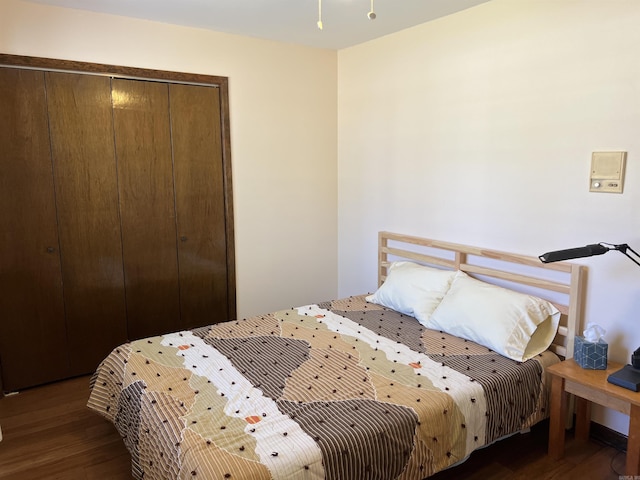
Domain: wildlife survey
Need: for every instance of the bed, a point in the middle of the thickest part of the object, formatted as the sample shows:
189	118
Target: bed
365	387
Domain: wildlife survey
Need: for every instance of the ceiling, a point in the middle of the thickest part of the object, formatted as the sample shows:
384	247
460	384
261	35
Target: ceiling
345	22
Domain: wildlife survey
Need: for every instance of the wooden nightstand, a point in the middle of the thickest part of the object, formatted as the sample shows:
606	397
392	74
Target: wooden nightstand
591	386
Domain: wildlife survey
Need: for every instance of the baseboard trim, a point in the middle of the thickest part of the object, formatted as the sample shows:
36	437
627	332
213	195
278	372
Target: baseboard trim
609	437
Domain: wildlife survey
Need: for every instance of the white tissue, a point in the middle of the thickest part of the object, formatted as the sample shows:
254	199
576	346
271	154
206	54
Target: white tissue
593	333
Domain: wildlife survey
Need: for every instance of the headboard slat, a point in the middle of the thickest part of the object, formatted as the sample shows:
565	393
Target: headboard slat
520	272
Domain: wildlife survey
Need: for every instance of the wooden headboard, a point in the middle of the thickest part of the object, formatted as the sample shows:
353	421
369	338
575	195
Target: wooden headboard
560	283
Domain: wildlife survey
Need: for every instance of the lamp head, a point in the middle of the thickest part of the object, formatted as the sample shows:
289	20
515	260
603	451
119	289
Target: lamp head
571	253
589	251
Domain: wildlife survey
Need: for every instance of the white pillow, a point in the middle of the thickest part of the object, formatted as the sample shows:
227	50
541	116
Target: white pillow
512	324
413	289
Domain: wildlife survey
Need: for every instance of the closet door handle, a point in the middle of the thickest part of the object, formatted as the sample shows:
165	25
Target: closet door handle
183	239
51	250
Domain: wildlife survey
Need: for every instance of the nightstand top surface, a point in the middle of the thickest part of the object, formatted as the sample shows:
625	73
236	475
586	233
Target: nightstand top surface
594	379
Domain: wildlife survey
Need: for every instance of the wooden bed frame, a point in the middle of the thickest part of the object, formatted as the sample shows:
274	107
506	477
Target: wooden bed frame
147	401
560	283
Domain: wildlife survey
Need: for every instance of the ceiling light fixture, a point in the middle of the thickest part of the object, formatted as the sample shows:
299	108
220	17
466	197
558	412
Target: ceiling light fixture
371	15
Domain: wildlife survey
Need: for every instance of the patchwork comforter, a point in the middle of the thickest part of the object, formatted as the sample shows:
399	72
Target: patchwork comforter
339	390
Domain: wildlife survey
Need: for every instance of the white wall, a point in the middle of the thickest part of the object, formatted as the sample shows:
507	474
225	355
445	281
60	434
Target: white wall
283	135
478	128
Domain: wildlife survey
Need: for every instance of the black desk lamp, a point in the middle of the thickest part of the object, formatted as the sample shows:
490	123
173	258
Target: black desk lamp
629	375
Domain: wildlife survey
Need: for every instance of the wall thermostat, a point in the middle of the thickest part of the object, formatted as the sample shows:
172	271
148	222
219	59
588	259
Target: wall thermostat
607	172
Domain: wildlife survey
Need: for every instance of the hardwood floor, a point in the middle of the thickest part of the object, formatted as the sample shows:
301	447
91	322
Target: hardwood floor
524	457
49	433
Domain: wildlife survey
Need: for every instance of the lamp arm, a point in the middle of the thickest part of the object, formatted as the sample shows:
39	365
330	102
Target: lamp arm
623	247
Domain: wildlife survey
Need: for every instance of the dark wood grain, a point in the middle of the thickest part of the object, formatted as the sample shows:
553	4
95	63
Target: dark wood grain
108	70
228	199
95	301
222	83
89	226
31	301
147	207
200	203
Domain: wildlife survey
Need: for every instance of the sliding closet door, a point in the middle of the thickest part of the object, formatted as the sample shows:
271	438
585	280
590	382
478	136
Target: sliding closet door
199	185
32	325
89	227
147	207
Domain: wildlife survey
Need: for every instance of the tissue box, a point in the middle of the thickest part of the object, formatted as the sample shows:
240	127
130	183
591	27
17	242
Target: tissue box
590	355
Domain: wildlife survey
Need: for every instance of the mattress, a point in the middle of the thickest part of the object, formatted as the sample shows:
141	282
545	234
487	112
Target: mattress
343	389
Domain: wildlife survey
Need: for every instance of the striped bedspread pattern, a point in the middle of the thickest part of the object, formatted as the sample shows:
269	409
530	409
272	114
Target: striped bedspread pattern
339	390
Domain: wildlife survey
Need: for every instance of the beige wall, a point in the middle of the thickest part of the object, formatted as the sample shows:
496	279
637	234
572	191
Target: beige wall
478	128
283	135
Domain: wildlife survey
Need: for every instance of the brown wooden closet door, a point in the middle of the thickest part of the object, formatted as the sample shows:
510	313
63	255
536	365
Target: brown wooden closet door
199	185
32	325
89	228
147	208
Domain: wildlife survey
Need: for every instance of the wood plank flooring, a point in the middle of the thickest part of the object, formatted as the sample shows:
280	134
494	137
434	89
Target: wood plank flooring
49	433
